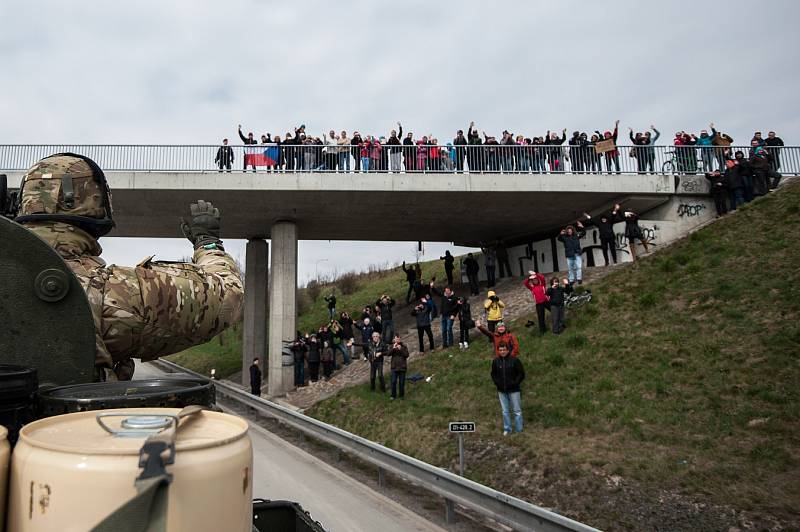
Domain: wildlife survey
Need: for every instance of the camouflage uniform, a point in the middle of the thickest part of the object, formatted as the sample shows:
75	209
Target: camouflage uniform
151	310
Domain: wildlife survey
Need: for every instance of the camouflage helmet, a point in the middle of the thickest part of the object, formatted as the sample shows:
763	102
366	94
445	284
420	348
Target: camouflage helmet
69	188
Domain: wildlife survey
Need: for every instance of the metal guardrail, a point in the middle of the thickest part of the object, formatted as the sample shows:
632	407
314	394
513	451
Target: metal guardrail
499	506
423	158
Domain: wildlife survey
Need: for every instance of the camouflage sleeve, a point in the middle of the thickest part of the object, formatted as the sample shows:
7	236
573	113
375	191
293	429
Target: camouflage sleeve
160	308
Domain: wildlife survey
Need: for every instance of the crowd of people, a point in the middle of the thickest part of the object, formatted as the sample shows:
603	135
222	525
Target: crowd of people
479	152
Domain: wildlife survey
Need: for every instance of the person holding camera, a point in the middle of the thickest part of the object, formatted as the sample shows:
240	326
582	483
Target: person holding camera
571	238
422	312
537	285
399	365
375	351
465	322
449	310
298	349
493	307
557	294
366	329
384	305
507	375
314	357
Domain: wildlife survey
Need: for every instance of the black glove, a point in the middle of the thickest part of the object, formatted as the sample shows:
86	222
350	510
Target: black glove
203	230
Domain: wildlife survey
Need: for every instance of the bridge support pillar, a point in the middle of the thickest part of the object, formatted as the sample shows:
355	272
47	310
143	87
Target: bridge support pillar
282	305
256	275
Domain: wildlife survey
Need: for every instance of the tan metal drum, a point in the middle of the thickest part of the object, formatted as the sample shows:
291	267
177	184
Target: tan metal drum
68	473
4	454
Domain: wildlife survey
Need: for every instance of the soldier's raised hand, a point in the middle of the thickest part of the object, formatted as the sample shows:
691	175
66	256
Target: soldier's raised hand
203	228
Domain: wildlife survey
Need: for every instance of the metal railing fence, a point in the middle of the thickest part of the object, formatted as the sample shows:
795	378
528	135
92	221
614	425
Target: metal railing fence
503	508
424	158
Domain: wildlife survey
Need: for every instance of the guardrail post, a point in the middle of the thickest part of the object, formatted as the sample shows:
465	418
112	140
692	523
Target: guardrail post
381	477
449	512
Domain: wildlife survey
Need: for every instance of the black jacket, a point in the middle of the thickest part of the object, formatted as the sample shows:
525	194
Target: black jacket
423	316
255	376
449	305
224	155
376	351
558	295
464	311
313	351
471	265
735	174
449	261
572	244
410	273
399	357
331	300
246	140
507	373
719	184
606	229
395	142
386	308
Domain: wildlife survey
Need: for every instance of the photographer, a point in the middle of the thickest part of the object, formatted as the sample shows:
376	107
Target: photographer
314	357
298	349
375	351
399	366
331	301
366	329
536	284
557	294
571	238
449	310
493	306
422	312
385	304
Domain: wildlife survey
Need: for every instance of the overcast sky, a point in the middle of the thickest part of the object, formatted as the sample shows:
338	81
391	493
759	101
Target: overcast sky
186	72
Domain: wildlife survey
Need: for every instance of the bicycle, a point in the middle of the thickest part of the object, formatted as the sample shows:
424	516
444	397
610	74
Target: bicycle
670	167
575	301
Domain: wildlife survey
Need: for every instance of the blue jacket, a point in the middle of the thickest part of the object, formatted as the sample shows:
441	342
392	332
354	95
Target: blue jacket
706	141
572	244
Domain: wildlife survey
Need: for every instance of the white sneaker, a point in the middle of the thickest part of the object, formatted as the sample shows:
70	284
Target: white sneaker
461	345
466	345
505	433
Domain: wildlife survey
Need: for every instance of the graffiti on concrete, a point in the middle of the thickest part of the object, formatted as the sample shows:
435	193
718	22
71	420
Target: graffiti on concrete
690	210
650	234
692	184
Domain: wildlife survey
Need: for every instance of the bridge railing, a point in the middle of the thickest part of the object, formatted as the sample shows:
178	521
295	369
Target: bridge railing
410	158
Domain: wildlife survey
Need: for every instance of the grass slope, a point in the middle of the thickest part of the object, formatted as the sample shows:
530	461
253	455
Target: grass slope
225	356
682	376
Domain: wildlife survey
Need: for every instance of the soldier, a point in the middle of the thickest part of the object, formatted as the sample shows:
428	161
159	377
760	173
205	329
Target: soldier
151	310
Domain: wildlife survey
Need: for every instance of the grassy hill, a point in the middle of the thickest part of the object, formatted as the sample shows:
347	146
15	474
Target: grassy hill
671	402
224	352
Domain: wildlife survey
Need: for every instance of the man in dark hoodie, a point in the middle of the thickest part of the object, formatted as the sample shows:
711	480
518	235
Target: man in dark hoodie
385	304
575	152
255	378
774	143
465	322
449	310
557	293
507	375
472	267
449	266
605	226
571	238
411	276
395	150
422	312
476	157
719	191
460	142
376	352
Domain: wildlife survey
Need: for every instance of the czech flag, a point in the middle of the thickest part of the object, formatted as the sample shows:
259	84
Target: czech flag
262	157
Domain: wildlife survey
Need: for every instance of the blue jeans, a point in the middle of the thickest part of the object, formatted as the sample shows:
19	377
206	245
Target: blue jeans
365	164
736	197
708	159
344	161
574	265
387	331
299	373
398	378
345	353
514	400
447	331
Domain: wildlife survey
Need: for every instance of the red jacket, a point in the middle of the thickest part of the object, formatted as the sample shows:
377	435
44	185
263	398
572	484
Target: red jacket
538	290
506	338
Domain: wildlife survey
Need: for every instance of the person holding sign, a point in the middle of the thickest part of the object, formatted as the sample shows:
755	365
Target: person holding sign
508	374
609	146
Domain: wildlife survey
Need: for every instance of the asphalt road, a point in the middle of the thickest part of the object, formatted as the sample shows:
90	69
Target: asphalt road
340	503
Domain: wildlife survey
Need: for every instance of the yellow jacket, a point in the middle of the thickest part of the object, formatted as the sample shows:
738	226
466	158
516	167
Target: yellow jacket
494	311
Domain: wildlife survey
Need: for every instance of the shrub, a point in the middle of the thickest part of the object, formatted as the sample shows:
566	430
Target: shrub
313	289
304	301
348	283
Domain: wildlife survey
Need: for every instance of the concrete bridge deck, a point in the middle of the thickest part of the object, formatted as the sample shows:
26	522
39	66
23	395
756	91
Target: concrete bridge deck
374	206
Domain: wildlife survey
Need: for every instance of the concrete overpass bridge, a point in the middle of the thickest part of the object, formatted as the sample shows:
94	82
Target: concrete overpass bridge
285	205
